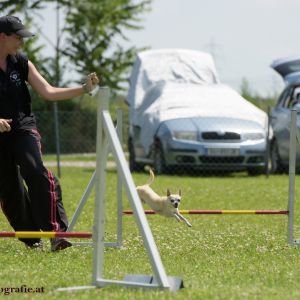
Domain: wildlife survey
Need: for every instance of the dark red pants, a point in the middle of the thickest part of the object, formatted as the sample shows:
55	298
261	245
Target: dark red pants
39	206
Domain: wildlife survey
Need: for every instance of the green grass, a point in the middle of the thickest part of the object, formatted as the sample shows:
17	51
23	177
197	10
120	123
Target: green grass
87	157
71	157
220	257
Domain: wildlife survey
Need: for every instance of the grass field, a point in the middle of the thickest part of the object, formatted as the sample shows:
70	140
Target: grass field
220	257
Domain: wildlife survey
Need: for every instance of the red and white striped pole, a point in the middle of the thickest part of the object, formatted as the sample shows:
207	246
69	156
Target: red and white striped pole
220	212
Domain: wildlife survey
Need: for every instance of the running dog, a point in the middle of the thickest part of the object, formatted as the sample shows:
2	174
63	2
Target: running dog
164	205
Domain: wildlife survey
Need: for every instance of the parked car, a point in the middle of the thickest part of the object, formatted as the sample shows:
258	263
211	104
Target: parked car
180	115
289	69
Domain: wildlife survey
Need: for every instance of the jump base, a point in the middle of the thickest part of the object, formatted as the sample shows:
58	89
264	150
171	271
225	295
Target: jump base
176	283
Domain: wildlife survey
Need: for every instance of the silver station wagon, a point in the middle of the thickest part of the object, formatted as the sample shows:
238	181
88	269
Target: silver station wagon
289	69
181	116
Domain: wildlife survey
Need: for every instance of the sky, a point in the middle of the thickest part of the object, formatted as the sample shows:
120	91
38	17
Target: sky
244	36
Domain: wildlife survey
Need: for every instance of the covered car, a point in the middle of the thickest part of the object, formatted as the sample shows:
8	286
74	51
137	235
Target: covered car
289	69
180	115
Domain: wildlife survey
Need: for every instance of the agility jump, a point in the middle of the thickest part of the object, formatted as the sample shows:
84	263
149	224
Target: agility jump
106	135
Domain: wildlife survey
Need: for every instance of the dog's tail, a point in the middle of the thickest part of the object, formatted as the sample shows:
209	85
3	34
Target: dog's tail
152	176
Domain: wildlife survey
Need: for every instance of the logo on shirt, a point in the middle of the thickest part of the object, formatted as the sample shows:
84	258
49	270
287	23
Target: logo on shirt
15	78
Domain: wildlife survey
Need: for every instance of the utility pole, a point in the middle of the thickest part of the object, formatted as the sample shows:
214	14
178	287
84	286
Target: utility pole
213	48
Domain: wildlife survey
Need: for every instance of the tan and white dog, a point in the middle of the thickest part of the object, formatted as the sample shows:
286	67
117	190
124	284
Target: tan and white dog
164	205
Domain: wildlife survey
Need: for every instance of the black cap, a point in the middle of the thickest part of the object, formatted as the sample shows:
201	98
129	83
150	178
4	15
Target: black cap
12	24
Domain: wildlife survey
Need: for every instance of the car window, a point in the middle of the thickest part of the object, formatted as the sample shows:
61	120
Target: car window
294	98
285	98
296	93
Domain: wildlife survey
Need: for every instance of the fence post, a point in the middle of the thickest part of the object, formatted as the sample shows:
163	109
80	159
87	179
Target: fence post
292	171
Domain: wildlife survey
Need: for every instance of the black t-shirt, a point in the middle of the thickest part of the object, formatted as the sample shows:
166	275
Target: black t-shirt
15	100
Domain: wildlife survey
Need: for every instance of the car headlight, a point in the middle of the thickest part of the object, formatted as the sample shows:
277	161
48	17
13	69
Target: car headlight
185	135
253	136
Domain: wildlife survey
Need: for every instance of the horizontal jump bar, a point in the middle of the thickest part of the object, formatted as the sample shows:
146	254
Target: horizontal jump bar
45	234
220	212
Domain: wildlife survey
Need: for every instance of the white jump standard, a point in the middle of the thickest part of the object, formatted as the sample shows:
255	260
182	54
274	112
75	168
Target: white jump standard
88	191
107	136
294	140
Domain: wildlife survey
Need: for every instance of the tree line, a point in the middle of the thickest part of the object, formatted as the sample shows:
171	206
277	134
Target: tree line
90	38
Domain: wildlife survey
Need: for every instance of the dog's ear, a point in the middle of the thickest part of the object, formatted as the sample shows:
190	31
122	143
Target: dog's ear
168	192
179	193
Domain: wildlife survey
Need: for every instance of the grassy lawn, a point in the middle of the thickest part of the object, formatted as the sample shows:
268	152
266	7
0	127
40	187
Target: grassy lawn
74	157
220	257
71	157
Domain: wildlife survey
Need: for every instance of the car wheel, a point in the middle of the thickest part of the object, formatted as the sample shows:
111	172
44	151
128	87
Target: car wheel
159	159
276	163
133	165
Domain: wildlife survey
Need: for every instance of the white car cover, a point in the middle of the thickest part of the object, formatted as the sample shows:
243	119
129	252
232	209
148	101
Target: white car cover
174	84
168	65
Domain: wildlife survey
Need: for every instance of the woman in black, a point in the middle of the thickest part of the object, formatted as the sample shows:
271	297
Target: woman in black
39	207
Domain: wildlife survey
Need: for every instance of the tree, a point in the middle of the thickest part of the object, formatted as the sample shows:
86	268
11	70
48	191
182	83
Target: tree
93	27
262	102
245	89
94	30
